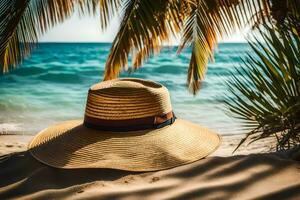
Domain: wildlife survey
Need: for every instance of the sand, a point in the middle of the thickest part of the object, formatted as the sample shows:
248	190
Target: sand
249	174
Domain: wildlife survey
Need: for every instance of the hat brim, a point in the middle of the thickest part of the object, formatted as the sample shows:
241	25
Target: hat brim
71	145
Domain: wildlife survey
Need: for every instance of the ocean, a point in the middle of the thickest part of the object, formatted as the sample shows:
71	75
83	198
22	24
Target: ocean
51	85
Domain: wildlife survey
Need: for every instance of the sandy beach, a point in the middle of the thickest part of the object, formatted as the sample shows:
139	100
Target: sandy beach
220	176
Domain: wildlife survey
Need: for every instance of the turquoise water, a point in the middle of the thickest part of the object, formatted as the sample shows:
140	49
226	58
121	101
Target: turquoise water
52	84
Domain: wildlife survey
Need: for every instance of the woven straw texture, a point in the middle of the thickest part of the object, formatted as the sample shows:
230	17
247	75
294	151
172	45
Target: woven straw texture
121	99
72	145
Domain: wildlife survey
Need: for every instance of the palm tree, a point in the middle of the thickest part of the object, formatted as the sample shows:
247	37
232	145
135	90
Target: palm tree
145	26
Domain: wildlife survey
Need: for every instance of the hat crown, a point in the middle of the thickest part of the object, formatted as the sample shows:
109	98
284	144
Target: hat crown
128	98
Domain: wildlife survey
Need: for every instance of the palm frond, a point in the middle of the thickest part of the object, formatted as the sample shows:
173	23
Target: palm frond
143	29
22	22
266	91
201	46
108	9
146	24
208	21
10	15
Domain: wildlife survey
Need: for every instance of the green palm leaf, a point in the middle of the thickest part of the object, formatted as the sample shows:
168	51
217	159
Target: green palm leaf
266	91
147	24
142	31
206	22
108	9
22	22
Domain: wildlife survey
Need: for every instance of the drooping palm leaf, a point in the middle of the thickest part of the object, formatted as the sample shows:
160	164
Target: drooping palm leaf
108	9
10	15
205	22
23	21
266	92
143	29
208	21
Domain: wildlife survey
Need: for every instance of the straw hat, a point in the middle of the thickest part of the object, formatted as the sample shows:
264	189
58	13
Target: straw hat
128	124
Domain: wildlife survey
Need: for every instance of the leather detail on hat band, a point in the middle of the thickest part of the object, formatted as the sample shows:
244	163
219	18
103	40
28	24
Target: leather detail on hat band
154	122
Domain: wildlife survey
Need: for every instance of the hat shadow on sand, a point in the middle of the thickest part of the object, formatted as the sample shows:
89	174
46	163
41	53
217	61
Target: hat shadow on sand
21	175
26	175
